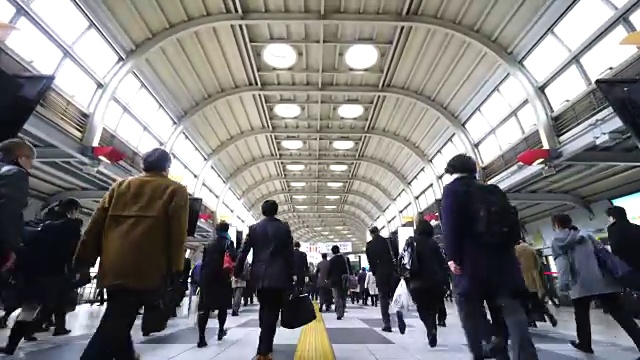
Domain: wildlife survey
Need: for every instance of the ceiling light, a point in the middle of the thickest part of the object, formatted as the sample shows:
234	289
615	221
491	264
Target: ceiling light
334	184
298	184
361	56
281	56
325	233
350	235
293	144
301	206
339	227
318	228
338	167
299	196
295	167
332	197
342	144
329	206
345	231
350	111
287	111
330	237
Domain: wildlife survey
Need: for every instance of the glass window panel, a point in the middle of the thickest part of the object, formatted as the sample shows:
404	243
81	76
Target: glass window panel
495	108
449	151
619	3
489	149
457	143
162	124
214	181
545	58
635	18
446	178
565	88
189	180
390	212
527	117
430	196
419	183
144	105
62	17
405	212
34	47
128	88
477	126
607	54
439	163
75	82
177	171
582	21
512	91
147	143
130	129
224	213
6	11
188	153
384	231
208	198
508	133
95	52
236	221
112	115
402	200
231	200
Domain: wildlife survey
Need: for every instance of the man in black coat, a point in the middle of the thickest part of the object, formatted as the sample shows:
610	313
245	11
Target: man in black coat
272	270
624	239
300	265
382	254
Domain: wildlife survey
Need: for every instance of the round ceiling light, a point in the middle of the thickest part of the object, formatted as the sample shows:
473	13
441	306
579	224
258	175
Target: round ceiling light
280	56
301	206
350	111
299	197
361	56
292	144
298	184
295	167
333	197
329	206
334	184
343	144
287	111
338	167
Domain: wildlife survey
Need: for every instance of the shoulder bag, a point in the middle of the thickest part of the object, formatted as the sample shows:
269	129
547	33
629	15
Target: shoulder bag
349	282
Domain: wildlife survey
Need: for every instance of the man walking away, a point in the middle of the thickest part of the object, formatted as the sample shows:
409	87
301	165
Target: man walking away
301	266
272	271
362	293
144	217
382	254
339	270
481	229
624	238
324	290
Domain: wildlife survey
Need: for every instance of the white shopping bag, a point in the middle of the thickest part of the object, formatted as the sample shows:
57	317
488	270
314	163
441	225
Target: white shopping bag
401	298
193	309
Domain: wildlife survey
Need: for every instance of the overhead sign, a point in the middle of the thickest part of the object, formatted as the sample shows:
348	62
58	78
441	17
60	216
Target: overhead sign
345	247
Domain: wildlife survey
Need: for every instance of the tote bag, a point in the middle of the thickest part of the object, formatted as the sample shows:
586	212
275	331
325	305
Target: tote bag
297	312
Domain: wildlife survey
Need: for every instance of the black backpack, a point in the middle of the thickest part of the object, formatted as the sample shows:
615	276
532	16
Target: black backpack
496	221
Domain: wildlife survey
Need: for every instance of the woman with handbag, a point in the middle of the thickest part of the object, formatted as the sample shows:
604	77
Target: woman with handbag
216	292
581	276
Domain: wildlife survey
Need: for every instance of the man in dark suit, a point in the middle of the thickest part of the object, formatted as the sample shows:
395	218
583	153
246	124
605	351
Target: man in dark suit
481	272
300	265
272	270
382	254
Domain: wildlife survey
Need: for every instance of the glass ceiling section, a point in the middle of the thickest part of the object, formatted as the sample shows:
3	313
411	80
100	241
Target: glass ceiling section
450	149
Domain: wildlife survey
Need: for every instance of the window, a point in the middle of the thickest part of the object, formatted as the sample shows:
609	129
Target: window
208	198
162	124
130	129
527	117
6	11
214	181
188	153
179	173
635	19
95	52
495	108
489	149
619	3
128	88
430	196
448	151
419	183
439	163
512	91
112	115
189	180
545	58
144	105
147	143
508	133
406	212
402	200
224	212
455	141
477	126
422	202
390	212
607	54
62	17
231	200
582	21
565	88
34	47
75	82
446	178
242	213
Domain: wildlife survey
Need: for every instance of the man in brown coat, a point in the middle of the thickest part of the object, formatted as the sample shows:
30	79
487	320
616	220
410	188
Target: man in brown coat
138	231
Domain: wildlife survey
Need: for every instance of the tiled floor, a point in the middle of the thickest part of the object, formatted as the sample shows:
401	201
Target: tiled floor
357	336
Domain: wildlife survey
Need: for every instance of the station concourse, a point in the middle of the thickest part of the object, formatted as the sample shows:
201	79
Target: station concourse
344	112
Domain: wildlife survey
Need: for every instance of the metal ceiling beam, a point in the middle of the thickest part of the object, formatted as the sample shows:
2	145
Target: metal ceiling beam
550	198
319	215
357	194
604	158
46	154
82	195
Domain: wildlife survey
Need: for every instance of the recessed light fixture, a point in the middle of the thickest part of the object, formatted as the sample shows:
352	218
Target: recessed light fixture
295	167
288	111
298	184
361	56
325	233
317	228
301	206
299	197
281	56
338	167
329	206
342	144
330	237
339	227
350	235
334	184
345	231
292	144
332	197
350	111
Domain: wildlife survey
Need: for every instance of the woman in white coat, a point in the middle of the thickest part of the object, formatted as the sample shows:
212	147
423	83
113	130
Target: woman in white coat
370	284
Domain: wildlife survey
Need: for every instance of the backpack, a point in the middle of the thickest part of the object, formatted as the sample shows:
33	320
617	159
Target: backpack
496	221
408	262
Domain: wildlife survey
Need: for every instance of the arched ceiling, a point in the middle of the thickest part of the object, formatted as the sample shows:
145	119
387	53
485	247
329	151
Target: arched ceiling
204	60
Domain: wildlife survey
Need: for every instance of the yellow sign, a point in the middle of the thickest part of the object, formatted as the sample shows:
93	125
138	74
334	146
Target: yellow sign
406	219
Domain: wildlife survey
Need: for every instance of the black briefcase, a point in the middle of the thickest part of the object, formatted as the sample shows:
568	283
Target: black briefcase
297	312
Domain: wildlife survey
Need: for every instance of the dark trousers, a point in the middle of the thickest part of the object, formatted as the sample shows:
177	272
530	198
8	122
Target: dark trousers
386	287
340	297
112	339
325	295
428	303
615	307
271	303
442	312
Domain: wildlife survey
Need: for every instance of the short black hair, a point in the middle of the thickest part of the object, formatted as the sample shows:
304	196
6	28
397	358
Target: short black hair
157	160
335	249
563	221
374	230
324	256
222	226
12	149
461	164
618	213
296	244
269	208
424	228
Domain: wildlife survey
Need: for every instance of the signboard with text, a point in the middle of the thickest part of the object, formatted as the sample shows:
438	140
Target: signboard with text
345	247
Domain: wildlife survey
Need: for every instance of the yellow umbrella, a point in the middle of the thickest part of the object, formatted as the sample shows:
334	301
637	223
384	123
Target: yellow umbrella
5	31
